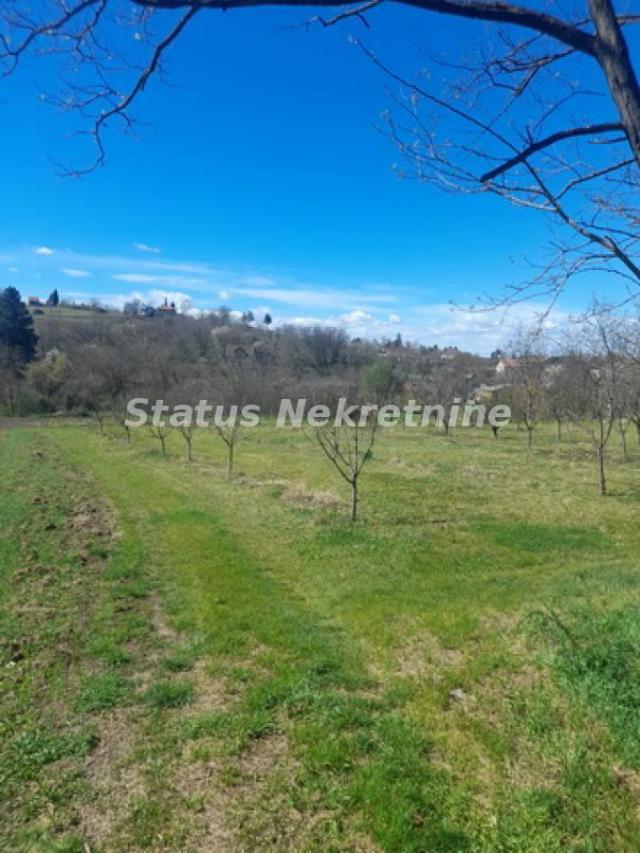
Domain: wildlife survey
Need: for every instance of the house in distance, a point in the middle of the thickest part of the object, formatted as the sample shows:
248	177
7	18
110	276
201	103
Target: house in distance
167	309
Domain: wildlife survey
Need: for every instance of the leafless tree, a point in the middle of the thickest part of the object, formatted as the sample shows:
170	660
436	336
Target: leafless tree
559	395
528	382
232	387
602	414
546	115
625	393
188	431
187	388
627	341
160	432
632	397
596	372
349	448
526	121
439	389
444	382
230	434
101	381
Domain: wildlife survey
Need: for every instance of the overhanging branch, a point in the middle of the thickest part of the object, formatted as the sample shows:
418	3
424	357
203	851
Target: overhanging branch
479	10
553	139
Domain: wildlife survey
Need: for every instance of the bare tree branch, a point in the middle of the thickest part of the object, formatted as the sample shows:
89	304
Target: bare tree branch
559	136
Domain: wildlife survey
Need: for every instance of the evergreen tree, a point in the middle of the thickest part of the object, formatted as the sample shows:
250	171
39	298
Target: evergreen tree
53	299
17	335
267	320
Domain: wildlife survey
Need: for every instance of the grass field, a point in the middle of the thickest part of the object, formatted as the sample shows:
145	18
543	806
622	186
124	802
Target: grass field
193	664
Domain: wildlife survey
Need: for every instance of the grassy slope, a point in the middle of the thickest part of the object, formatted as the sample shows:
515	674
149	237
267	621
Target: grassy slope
324	712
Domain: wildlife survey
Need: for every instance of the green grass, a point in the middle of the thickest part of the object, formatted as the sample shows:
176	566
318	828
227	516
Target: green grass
542	538
180	660
596	656
318	708
103	691
169	694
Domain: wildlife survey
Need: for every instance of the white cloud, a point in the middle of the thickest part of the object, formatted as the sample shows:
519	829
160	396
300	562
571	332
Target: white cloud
357	322
44	250
477	331
171	280
135	278
357	318
259	280
438	323
75	273
314	297
14	269
224	294
110	263
144	247
305	321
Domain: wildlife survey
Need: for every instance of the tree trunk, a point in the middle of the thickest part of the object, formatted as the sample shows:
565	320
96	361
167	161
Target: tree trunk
529	438
99	420
164	445
623	439
603	482
230	462
612	53
189	439
128	432
494	430
558	430
354	500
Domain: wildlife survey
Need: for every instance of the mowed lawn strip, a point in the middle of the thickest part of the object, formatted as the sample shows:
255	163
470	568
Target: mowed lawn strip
63	641
364	769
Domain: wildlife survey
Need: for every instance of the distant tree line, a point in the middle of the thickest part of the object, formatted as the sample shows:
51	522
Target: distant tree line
586	382
96	362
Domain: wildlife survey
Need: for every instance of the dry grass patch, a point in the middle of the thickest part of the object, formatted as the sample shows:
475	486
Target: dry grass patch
113	776
298	495
422	657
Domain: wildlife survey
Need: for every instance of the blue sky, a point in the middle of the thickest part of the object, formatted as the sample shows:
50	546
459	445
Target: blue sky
261	182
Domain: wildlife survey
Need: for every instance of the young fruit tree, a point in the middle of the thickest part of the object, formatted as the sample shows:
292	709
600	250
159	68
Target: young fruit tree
528	384
161	433
229	432
233	387
349	448
596	372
